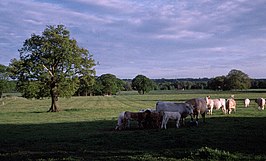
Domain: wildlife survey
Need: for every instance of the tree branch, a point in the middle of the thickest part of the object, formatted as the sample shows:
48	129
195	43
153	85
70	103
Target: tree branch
48	70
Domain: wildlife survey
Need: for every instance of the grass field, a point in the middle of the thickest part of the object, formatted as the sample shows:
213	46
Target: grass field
84	130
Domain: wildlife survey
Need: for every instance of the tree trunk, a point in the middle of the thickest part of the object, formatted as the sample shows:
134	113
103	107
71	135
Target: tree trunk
54	95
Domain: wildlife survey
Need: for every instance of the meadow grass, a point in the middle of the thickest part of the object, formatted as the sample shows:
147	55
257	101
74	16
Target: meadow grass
84	130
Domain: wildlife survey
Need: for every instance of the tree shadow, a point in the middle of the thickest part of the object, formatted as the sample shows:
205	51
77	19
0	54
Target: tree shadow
98	139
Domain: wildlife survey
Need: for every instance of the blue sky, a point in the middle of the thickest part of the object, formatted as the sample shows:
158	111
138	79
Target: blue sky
156	38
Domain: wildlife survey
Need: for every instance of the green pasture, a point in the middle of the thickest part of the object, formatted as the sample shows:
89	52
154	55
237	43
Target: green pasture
84	130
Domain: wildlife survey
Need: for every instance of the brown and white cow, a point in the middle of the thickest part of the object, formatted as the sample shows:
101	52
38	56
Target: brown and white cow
261	103
230	105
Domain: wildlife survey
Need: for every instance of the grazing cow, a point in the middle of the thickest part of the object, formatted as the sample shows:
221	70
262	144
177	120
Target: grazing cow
120	120
246	102
210	105
230	105
200	107
153	120
184	109
261	103
216	104
170	115
137	116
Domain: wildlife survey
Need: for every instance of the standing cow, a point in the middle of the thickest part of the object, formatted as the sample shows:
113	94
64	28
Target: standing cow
200	107
170	115
184	109
261	103
216	104
246	102
230	105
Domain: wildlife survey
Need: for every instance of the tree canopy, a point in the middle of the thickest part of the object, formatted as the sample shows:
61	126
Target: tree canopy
51	64
235	79
142	84
108	84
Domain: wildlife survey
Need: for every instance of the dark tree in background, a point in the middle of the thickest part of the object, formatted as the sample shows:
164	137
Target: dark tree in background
235	79
108	84
52	63
217	83
142	84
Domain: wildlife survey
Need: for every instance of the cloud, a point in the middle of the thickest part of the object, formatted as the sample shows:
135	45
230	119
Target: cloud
158	38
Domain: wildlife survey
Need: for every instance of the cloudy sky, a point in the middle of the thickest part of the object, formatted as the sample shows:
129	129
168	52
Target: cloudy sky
156	38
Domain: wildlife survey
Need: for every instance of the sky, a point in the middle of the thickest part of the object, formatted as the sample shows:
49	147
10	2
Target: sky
155	38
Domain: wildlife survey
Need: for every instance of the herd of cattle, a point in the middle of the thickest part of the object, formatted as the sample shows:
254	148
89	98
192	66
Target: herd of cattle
158	117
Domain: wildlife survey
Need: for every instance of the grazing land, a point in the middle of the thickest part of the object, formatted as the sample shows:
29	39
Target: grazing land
84	130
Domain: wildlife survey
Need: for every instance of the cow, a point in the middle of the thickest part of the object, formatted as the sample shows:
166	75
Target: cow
153	119
261	103
170	115
200	107
210	104
216	104
120	124
246	102
136	116
230	105
184	109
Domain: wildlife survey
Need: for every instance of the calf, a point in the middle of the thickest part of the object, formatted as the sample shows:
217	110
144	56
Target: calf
184	109
170	115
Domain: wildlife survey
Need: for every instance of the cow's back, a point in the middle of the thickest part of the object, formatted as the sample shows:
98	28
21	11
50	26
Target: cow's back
173	107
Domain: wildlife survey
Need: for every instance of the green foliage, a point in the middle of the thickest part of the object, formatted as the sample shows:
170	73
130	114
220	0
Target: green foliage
108	84
142	84
217	83
52	61
235	79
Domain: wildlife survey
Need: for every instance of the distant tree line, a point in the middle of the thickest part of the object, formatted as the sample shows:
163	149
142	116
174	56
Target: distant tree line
109	84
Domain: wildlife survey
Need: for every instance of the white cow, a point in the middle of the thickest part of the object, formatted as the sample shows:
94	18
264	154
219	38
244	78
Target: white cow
120	120
170	115
184	109
246	102
216	104
261	103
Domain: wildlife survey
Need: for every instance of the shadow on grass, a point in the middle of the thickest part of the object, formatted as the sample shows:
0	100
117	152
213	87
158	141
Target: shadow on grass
98	140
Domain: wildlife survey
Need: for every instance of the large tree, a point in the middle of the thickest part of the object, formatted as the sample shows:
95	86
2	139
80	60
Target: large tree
52	61
237	79
142	84
108	84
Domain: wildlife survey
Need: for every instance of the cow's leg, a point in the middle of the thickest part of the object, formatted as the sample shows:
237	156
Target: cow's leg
163	122
203	117
177	122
